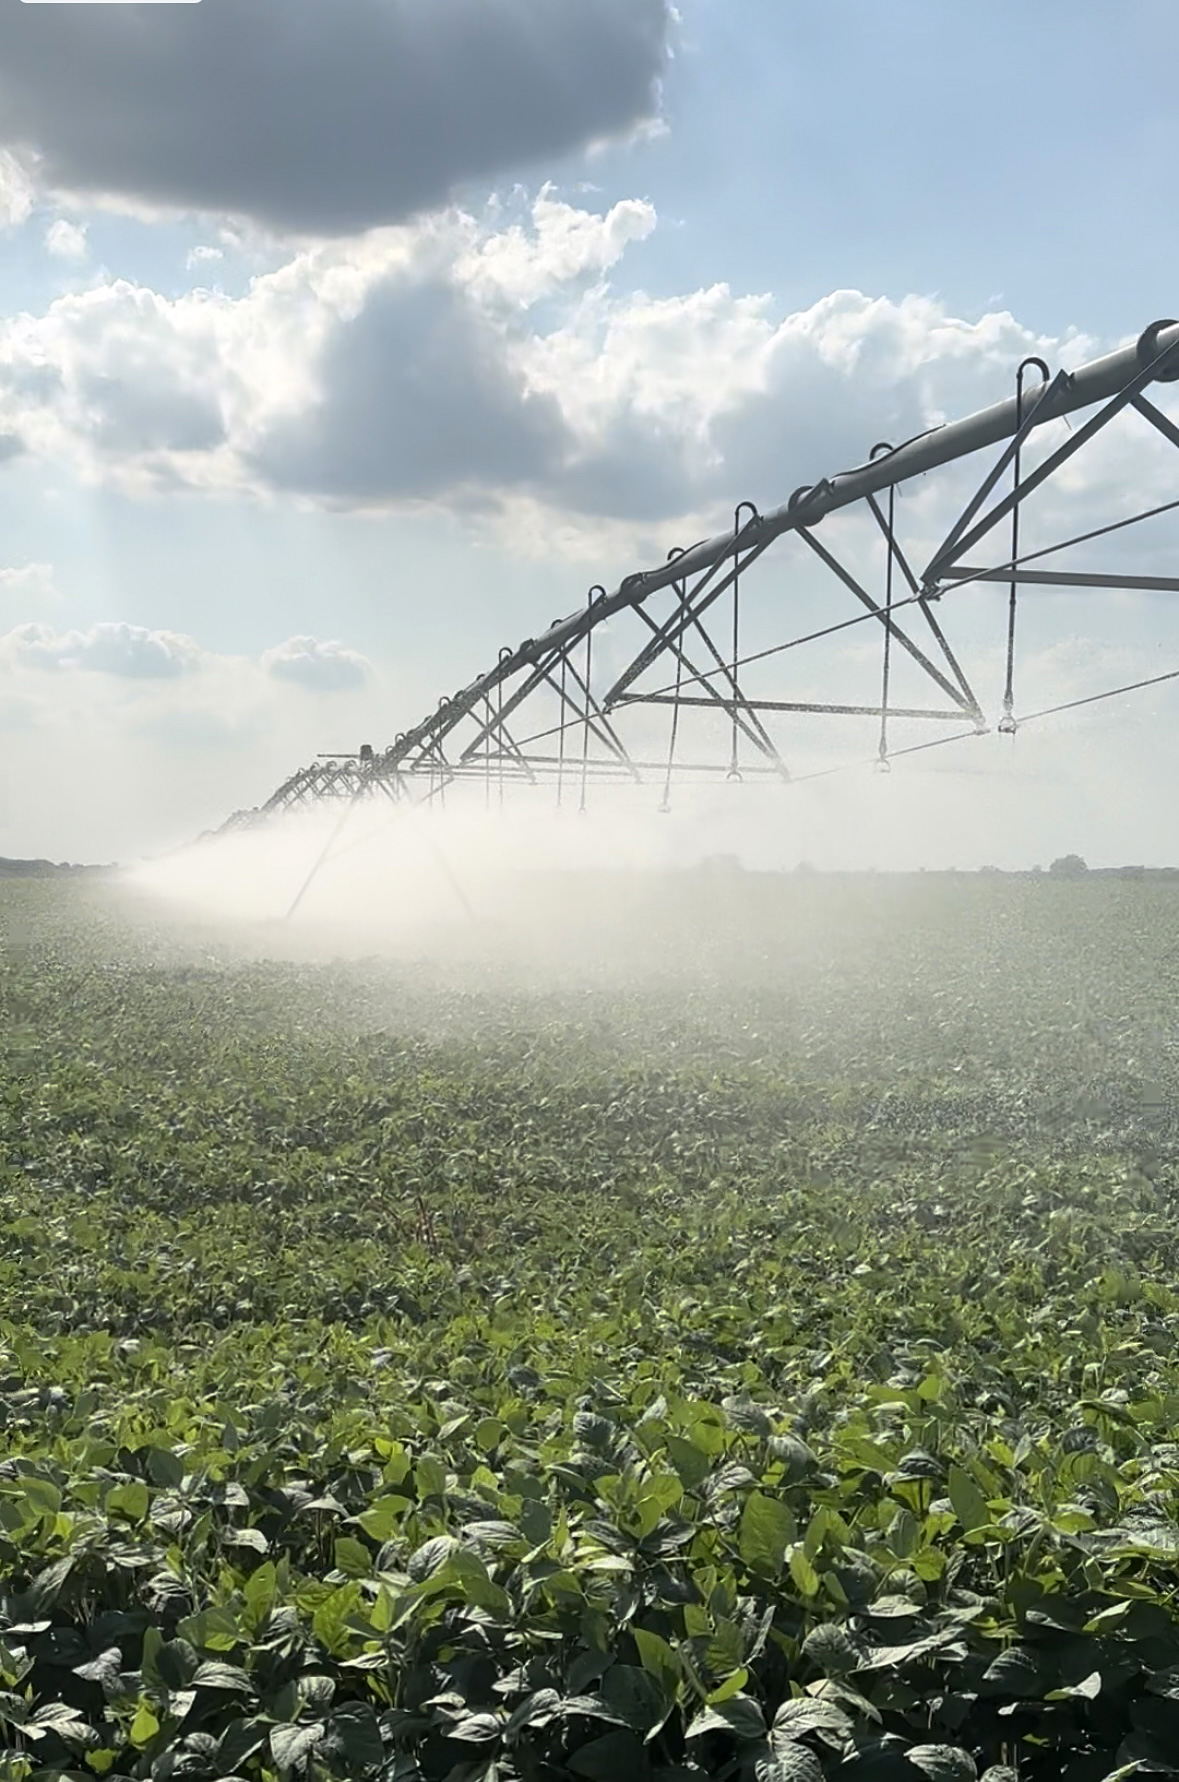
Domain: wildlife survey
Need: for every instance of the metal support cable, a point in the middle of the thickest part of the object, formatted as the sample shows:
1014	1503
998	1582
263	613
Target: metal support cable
1007	722
735	755
1071	705
888	529
504	653
1049	711
890	533
939	742
665	802
599	592
490	716
561	743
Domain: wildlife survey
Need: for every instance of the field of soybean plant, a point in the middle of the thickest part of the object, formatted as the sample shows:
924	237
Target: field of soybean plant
735	1338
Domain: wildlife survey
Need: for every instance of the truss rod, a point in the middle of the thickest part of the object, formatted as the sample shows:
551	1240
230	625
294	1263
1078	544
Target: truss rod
783	705
793	643
1064	578
689	613
877	612
615	768
752	728
962	578
897	556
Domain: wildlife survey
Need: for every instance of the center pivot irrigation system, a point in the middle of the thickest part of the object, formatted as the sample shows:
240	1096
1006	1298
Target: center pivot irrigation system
662	681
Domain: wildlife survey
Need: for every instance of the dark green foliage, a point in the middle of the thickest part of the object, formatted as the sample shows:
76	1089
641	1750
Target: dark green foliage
705	1380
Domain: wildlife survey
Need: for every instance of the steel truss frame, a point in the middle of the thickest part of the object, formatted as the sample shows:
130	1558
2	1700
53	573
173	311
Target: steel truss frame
541	715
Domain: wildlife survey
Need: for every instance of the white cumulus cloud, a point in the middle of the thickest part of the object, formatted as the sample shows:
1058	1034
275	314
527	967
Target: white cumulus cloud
489	367
129	651
17	194
27	585
319	667
66	240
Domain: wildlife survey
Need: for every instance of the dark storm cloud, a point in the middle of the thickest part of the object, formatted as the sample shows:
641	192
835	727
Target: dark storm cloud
418	401
326	116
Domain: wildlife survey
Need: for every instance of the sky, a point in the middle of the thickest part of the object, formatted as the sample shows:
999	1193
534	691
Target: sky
344	341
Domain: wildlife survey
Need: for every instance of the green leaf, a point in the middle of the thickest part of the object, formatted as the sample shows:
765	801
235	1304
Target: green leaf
1015	1672
1088	1689
476	1729
238	1743
693	1464
658	1658
612	1758
250	1539
165	1468
291	1745
352	1557
168	1665
809	1714
800	1462
540	1708
747	1416
214	1675
593	1431
786	1763
430	1478
742	1717
354	1727
970	1506
382	1520
804	1574
942	1763
430	1558
41	1495
638	1700
105	1669
144	1727
829	1647
66	1722
132	1500
766	1530
211	1630
903	1533
48	1584
732	1685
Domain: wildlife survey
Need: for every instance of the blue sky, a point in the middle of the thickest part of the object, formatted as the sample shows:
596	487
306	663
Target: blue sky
302	430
